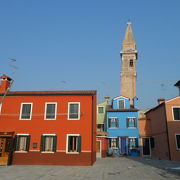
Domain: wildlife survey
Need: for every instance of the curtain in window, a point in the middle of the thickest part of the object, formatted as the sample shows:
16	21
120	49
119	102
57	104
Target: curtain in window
48	143
74	111
50	111
26	110
131	122
22	143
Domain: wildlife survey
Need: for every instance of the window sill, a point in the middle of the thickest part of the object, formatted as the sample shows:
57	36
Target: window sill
113	127
72	152
25	119
132	127
48	152
21	152
49	119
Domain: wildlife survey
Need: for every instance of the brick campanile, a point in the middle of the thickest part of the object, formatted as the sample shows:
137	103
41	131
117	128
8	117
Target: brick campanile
129	56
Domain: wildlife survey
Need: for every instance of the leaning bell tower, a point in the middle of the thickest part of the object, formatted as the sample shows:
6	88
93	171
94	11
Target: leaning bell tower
129	56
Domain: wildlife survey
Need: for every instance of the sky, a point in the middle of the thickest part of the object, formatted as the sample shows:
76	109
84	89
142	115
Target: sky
75	45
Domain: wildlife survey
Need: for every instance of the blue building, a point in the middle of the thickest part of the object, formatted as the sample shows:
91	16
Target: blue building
122	127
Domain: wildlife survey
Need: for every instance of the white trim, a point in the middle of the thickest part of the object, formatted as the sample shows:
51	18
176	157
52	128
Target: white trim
108	123
49	134
47	152
136	119
176	142
173	112
120	97
67	135
172	99
101	136
21	152
86	151
21	134
46	109
118	104
34	150
21	111
60	150
149	147
69	103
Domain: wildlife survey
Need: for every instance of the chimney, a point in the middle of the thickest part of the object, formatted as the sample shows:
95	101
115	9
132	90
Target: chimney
178	86
107	99
161	100
5	83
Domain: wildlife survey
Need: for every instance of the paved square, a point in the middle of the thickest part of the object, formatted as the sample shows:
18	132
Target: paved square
104	169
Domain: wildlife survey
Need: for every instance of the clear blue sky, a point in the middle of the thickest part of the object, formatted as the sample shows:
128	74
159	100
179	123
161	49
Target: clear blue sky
75	45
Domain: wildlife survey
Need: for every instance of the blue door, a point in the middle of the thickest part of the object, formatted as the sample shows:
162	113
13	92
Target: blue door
123	145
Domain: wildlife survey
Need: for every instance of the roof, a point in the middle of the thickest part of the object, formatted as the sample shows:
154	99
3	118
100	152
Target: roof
110	109
50	93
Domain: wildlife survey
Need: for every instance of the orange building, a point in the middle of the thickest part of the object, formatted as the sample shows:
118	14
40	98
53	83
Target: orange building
47	127
164	122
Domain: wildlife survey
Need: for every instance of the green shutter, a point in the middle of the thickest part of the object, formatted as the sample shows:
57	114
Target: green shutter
136	142
9	148
109	142
54	143
42	147
127	122
79	144
117	142
109	122
16	143
117	122
69	143
28	143
135	122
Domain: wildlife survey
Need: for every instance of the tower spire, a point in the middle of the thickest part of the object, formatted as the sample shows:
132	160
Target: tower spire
128	72
129	42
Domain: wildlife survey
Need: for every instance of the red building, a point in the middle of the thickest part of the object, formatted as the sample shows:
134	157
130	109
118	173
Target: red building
47	127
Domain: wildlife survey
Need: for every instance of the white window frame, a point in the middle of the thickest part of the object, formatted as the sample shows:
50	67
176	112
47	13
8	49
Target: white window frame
67	138
100	107
0	107
176	142
69	103
112	118
136	123
118	104
30	112
49	152
111	142
173	112
46	109
21	134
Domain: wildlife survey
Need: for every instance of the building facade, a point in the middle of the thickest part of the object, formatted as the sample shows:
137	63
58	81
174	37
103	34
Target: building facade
47	127
165	129
122	127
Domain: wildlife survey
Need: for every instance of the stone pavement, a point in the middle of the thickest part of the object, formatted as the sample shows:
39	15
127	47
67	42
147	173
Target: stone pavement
135	168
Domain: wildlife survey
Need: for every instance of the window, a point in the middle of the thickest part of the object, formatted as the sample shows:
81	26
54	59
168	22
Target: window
121	104
48	143
133	143
113	123
26	111
100	110
176	113
73	143
22	142
131	63
178	141
113	143
74	111
50	110
100	127
131	122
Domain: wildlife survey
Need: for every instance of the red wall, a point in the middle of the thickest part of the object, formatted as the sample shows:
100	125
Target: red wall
37	126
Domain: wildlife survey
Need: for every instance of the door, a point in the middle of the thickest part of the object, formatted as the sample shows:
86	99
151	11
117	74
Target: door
146	147
124	149
5	143
98	148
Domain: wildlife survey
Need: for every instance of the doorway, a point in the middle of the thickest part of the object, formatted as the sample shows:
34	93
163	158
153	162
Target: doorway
146	147
123	145
98	149
5	149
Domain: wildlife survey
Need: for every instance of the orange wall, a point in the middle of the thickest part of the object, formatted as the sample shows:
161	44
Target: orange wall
173	127
61	126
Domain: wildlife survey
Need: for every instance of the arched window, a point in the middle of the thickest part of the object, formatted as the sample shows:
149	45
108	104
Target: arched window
131	63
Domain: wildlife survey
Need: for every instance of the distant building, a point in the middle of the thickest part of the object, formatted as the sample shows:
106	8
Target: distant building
122	127
101	140
47	127
164	123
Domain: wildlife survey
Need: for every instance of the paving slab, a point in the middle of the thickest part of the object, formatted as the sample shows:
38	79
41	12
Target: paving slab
135	168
